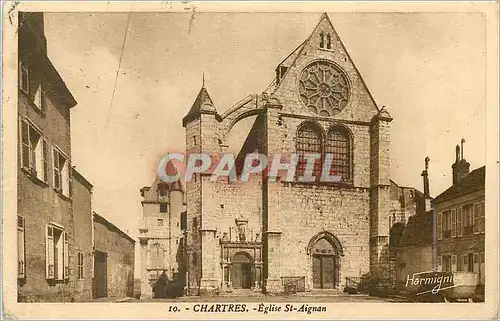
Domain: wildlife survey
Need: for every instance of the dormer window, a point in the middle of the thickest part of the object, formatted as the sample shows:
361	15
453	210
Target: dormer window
280	73
162	190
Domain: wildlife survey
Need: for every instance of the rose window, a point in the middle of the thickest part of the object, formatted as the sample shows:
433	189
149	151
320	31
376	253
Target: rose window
323	88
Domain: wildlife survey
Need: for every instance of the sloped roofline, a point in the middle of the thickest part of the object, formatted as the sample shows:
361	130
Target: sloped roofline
301	48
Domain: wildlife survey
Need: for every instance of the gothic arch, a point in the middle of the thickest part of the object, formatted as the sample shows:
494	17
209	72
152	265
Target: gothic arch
330	238
311	124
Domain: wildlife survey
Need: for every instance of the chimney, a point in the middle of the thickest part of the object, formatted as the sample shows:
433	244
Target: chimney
461	167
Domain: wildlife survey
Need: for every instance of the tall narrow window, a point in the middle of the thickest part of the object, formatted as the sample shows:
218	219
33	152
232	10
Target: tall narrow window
23	77
49	253
338	149
34	156
446	224
476	220
56	253
453	223
62	177
321	40
329	41
439	226
454	263
459	221
21	260
162	190
309	141
80	265
481	218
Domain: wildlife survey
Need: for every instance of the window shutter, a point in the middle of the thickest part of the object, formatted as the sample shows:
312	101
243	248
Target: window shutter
23	77
466	263
66	256
21	261
57	173
459	221
70	192
482	218
26	154
45	158
476	263
453	223
476	219
454	263
439	263
49	253
38	98
439	227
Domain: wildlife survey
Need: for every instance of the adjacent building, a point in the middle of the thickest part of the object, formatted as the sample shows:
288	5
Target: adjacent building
113	260
45	229
265	235
449	236
81	266
162	238
55	224
461	220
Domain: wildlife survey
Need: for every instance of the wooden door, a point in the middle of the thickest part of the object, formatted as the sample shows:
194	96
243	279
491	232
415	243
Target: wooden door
316	271
327	272
246	274
100	275
237	276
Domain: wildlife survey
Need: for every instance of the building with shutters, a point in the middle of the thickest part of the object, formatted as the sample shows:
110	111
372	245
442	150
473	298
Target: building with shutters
268	236
461	220
162	239
44	207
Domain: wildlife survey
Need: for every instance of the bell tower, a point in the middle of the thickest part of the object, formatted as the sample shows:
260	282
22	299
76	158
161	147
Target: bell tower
200	124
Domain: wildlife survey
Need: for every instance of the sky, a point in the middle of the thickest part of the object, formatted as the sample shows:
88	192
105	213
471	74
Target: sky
428	69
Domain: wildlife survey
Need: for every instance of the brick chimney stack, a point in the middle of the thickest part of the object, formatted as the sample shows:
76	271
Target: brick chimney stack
461	167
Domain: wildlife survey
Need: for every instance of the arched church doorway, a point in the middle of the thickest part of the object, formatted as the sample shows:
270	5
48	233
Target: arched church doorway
325	265
241	271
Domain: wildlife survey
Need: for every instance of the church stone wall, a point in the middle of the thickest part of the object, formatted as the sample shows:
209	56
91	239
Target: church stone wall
304	211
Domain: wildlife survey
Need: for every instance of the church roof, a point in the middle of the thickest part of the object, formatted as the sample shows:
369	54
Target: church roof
472	182
324	23
202	105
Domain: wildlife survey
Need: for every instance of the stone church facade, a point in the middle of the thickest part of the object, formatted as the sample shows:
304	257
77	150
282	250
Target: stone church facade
266	235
